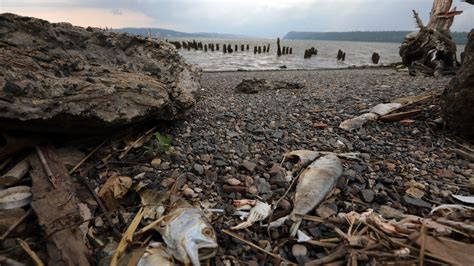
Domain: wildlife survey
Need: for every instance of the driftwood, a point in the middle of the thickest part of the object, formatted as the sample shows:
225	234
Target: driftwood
432	51
56	206
458	97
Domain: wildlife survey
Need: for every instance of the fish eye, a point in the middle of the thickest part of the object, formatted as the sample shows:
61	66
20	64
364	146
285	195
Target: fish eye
207	232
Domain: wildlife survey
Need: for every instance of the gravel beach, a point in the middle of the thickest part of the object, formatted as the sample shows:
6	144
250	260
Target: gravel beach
404	168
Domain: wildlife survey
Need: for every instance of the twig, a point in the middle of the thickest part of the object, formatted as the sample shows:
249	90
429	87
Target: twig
86	157
130	147
30	252
151	225
127	237
322	244
115	232
15	225
423	244
340	251
7	261
45	165
257	247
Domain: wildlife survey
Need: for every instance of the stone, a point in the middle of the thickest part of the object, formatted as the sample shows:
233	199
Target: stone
249	166
167	182
391	166
198	169
389	212
262	185
415	192
189	193
155	162
368	195
233	181
415	202
135	78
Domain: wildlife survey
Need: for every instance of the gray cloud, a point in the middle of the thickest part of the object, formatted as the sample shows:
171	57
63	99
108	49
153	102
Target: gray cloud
264	17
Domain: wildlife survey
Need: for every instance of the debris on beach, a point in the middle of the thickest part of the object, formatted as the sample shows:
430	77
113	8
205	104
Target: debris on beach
188	235
208	190
383	112
250	86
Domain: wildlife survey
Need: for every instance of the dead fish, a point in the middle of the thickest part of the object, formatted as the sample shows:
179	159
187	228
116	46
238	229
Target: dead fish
314	185
156	254
259	212
188	235
304	157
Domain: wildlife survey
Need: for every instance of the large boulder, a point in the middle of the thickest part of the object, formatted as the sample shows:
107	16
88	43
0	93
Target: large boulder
56	77
458	97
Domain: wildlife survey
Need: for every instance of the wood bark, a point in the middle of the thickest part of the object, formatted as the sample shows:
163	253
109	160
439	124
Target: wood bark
458	97
56	205
432	51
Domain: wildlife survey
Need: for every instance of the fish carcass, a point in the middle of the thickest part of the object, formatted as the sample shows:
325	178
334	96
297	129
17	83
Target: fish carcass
188	235
314	185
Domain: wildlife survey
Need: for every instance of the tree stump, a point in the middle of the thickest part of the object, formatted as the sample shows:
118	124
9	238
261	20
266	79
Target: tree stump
458	97
431	51
375	58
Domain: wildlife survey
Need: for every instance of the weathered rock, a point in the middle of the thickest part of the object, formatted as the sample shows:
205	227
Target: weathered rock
56	77
458	110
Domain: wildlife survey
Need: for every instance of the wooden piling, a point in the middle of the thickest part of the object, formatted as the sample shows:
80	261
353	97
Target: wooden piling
278	47
291	50
254	49
248	47
217	47
242	47
259	49
375	58
224	48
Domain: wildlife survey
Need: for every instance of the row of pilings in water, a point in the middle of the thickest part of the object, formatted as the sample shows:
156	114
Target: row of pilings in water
229	48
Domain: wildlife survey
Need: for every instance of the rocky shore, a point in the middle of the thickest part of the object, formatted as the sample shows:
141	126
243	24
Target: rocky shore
405	168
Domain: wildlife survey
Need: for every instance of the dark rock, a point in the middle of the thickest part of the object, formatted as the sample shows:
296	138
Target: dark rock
368	195
159	86
415	202
255	85
198	169
262	185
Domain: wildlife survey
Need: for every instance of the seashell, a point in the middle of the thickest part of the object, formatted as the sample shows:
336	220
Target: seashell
188	235
385	108
15	197
357	122
258	213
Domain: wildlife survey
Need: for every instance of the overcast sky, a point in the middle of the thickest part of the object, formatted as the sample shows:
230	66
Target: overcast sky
266	18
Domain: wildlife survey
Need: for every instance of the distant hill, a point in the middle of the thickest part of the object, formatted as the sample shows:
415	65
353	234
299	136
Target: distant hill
164	33
363	36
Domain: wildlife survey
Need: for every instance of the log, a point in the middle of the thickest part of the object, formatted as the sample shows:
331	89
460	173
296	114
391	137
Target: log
431	51
458	97
76	81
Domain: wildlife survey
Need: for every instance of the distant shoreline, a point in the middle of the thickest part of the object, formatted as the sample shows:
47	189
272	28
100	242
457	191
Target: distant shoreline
306	69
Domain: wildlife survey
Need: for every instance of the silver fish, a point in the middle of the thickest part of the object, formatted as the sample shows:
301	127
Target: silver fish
188	235
302	158
314	185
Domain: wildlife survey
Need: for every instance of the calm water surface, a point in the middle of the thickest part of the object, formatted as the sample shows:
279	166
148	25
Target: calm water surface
357	54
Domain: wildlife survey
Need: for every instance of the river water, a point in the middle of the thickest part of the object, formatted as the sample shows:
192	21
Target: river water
357	54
